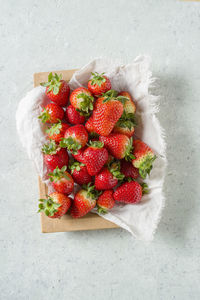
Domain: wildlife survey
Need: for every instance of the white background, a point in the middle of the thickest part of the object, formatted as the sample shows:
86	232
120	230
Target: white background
109	264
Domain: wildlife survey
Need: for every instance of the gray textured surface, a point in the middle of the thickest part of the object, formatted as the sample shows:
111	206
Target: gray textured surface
109	264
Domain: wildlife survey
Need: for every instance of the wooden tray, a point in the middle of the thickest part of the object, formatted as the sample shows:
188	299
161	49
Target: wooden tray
66	223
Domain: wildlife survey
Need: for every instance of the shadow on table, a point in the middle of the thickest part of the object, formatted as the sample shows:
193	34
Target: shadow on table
182	163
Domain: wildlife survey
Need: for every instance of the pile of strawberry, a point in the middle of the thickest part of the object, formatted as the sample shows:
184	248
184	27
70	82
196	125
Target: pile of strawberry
97	129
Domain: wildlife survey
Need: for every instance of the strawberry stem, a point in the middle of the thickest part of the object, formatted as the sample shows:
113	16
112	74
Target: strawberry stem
55	128
98	79
48	206
91	191
50	148
58	174
146	166
96	144
76	166
53	83
44	116
86	104
101	210
71	144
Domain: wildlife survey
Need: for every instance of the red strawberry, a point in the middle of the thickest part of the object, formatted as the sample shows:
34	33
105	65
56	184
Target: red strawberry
105	202
75	138
95	156
56	89
90	128
79	155
82	100
128	192
119	145
56	131
108	177
89	125
84	201
126	123
54	156
129	170
99	84
55	206
107	113
52	113
144	157
129	105
61	180
73	116
124	127
80	174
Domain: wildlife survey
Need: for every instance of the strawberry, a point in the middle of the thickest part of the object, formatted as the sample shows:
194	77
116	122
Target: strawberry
107	112
144	158
55	206
129	170
75	138
54	156
108	177
124	129
126	122
128	192
79	173
99	84
125	125
57	90
51	113
89	125
84	201
105	202
119	145
73	116
95	156
61	180
79	155
129	105
90	129
56	131
82	100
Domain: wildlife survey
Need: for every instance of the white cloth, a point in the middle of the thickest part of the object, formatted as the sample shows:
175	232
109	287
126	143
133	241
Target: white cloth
141	219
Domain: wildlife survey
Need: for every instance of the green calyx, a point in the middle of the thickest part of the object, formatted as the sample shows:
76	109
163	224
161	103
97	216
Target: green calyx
45	116
55	128
101	210
128	179
76	166
48	206
58	174
91	191
122	99
96	144
146	166
129	151
53	83
111	94
145	189
127	120
86	105
50	148
98	79
71	144
114	168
